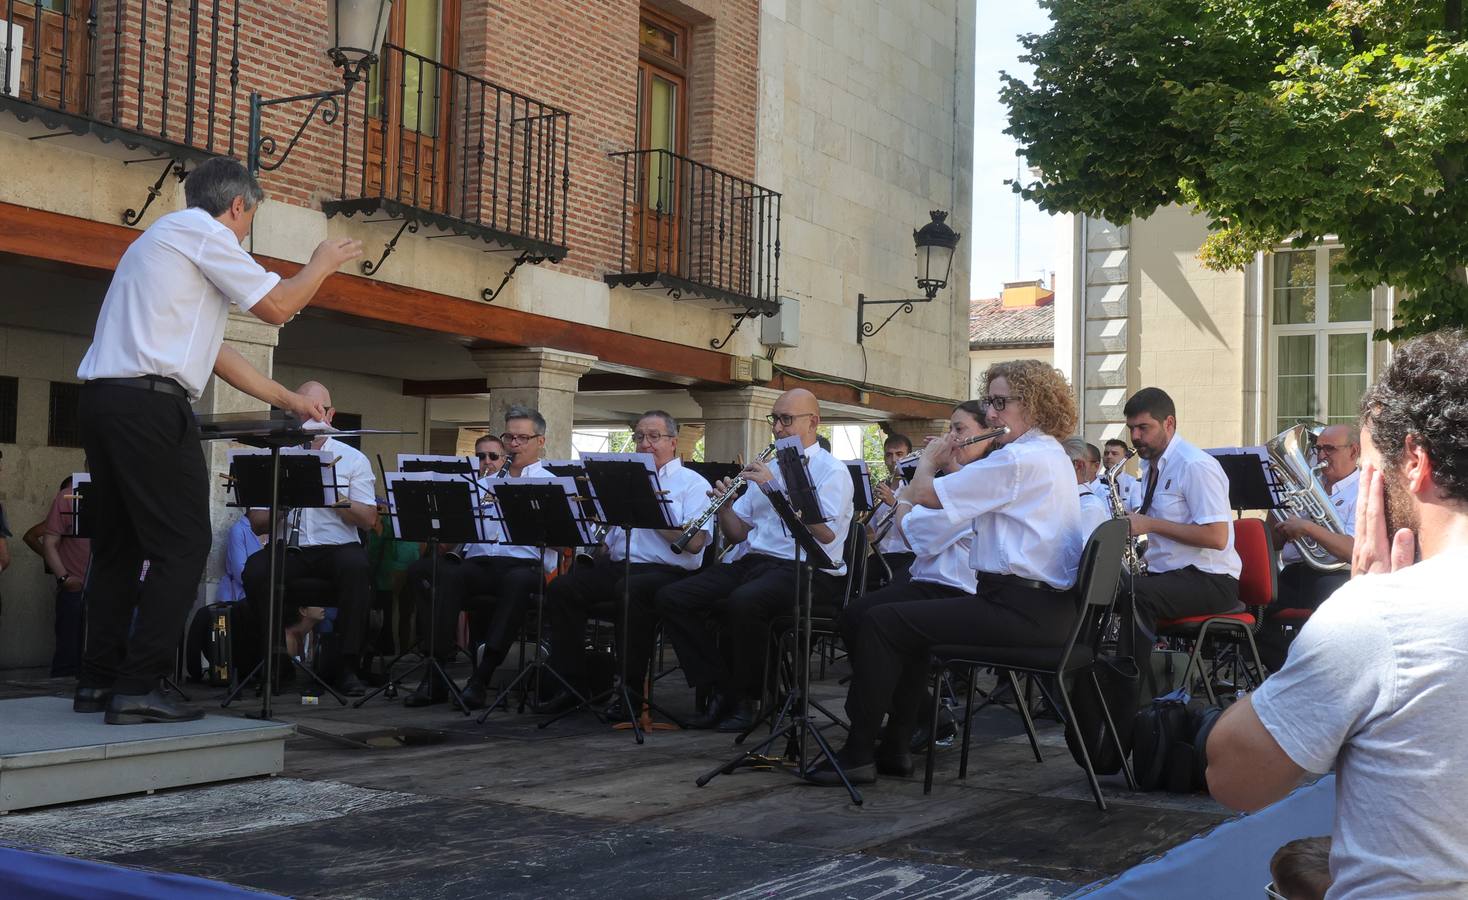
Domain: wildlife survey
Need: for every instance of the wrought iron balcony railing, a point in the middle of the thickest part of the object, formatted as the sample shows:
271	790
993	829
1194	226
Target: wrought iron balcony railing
157	75
691	229
441	147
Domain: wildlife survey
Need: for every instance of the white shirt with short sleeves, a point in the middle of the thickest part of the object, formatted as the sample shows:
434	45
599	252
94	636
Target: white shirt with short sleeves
1343	500
324	527
1191	490
834	491
167	305
941	548
1094	510
689	493
1374	687
1021	500
1124	483
495	529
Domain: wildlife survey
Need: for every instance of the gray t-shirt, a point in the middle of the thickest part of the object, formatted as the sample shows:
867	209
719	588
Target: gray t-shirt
1375	688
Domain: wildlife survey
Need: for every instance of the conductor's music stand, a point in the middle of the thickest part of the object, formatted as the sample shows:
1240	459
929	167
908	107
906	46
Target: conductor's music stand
537	512
432	507
809	555
627	490
306	480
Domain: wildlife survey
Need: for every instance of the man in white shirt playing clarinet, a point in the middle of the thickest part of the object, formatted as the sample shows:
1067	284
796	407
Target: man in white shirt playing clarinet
159	336
654	566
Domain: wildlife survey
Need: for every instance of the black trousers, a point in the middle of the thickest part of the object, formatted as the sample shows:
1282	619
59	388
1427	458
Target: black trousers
1178	594
149	500
898	563
1301	587
890	659
344	565
507	586
742	597
454	596
597	586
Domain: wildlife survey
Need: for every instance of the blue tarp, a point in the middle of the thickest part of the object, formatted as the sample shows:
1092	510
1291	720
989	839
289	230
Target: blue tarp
1232	860
25	875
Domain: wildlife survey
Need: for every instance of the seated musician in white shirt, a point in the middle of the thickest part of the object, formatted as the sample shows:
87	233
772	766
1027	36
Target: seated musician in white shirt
654	566
1181	502
329	548
1087	460
1020	501
745	595
1115	451
1302	586
895	555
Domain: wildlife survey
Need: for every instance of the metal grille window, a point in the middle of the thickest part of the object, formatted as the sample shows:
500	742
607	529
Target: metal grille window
1321	339
64	424
9	403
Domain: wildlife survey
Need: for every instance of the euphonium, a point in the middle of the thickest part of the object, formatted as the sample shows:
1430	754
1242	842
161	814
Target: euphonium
716	504
1304	494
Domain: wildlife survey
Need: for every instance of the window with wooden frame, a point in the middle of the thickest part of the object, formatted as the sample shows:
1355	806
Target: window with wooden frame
662	125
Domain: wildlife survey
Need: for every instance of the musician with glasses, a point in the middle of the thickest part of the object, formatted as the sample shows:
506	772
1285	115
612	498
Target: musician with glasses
1181	502
490	453
495	579
1302	586
654	566
745	595
1019	502
889	545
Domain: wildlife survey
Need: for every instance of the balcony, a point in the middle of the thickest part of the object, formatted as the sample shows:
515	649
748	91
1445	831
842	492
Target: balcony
155	76
694	231
439	147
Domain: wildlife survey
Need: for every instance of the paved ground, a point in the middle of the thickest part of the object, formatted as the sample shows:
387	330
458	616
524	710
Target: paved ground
448	808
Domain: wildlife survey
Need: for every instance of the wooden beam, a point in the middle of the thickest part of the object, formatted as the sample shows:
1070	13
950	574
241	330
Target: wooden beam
449	387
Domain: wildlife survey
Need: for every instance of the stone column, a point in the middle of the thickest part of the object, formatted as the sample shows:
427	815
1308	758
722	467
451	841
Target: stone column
540	377
255	340
688	438
734	422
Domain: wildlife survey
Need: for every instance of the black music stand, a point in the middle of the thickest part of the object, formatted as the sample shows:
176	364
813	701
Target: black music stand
536	512
630	496
863	500
809	555
432	507
1251	482
295	481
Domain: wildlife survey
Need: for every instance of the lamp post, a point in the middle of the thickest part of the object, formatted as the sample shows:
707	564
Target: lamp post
355	31
933	244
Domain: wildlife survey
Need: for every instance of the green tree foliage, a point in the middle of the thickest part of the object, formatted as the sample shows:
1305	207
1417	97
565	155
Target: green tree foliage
1280	120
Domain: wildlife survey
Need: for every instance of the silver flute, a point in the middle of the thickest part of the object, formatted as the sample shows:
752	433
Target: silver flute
884	524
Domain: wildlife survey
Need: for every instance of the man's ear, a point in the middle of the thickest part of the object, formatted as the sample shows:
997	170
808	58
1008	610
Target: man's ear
1416	466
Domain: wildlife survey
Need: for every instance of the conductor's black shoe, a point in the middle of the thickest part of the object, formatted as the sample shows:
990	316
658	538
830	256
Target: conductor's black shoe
899	763
560	702
90	699
135	709
826	775
718	709
349	685
475	694
429	691
739	719
947	728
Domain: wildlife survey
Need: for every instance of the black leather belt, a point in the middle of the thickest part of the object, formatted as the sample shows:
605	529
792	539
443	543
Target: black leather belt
146	383
1017	581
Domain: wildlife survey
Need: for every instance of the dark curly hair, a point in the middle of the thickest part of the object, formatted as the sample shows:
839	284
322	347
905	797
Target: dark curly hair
1424	393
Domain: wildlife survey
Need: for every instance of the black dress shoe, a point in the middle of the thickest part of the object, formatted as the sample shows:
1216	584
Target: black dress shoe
947	728
475	694
349	685
739	719
429	691
718	709
898	763
90	699
825	774
135	709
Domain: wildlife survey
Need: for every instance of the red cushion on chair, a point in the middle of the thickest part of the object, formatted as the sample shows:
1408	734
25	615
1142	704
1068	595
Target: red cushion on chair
1256	578
1290	615
1241	618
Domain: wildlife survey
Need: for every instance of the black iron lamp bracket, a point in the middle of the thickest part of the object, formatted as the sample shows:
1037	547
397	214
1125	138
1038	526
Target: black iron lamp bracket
489	295
171	166
263	145
865	329
739	319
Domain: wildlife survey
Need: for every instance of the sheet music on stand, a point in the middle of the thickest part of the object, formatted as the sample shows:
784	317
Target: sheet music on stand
1252	484
529	513
616	480
792	465
861	481
587	503
307	478
428	505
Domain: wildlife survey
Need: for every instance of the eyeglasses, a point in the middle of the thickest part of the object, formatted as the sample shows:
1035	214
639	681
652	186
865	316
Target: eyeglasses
651	437
492	457
1326	449
509	438
785	421
997	402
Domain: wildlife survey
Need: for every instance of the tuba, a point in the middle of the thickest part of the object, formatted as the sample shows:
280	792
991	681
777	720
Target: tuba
1304	494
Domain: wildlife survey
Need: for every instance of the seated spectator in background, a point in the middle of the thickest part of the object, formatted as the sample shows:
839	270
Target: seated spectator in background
241	544
1301	869
1374	684
67	558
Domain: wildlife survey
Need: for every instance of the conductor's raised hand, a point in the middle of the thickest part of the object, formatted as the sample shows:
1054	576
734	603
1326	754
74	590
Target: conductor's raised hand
305	408
332	252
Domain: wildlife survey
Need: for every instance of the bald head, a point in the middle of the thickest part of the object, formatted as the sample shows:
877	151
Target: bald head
800	407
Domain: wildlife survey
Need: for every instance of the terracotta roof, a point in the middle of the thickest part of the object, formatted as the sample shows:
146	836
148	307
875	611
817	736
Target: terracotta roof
992	325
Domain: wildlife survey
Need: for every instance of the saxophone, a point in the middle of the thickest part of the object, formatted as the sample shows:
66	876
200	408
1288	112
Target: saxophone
1132	554
1304	494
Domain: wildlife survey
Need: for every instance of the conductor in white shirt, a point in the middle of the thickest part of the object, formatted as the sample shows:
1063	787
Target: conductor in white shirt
159	335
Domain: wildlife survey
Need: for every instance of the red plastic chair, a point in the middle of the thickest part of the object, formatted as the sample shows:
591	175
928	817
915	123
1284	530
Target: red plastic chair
1257	589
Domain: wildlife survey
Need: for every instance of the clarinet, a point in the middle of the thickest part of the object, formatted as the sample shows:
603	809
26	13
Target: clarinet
714	506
